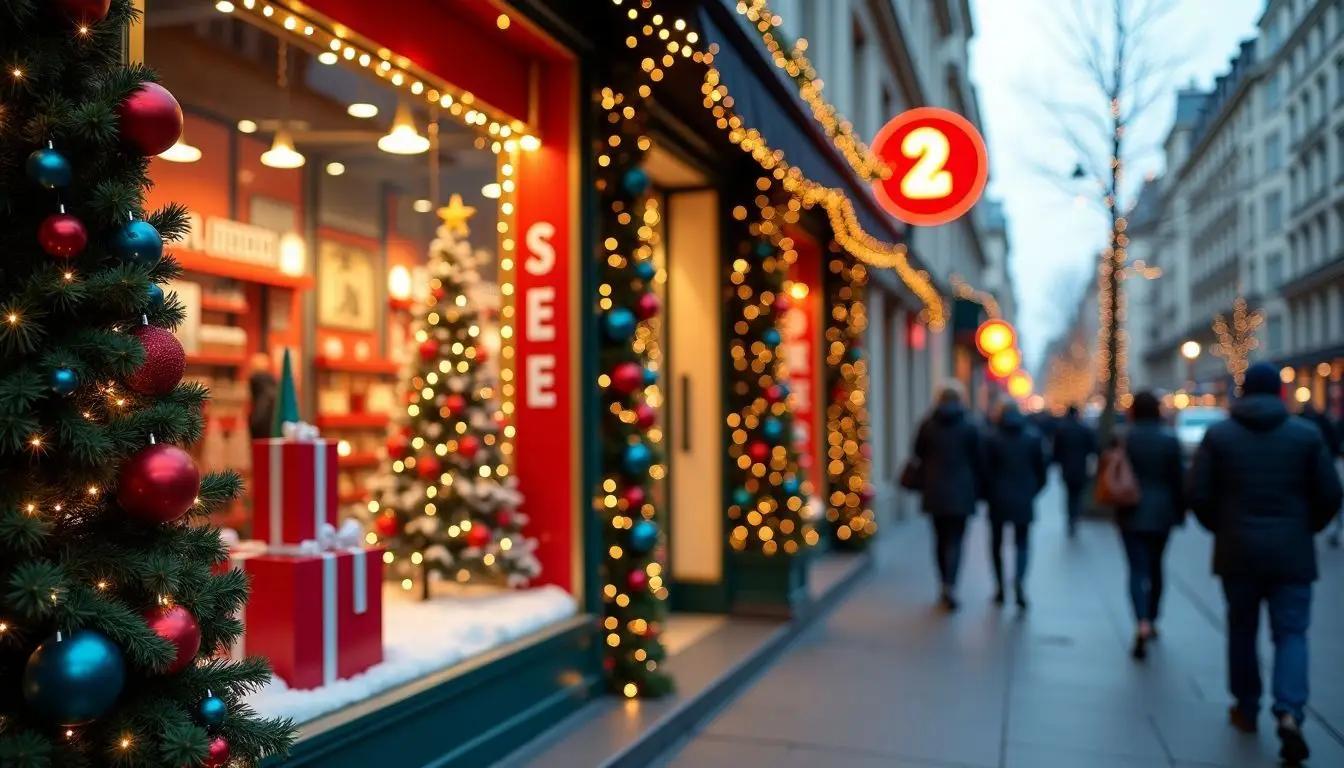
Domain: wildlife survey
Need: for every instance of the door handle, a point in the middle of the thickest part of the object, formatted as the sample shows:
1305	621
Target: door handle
685	414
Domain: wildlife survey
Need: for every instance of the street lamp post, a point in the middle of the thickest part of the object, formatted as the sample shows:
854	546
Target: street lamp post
1190	351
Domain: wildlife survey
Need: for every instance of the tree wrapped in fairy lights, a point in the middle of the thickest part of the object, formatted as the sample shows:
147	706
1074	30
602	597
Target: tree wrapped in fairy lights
446	506
1237	339
849	495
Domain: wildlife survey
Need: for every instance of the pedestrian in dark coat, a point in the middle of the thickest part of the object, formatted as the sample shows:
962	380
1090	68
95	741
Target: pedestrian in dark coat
1015	472
1327	427
1155	454
1074	446
948	448
1264	483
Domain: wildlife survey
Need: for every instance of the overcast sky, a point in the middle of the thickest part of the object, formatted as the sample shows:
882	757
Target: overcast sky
1014	60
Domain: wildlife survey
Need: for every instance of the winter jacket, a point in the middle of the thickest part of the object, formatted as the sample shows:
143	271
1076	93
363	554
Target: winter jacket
1074	442
1155	454
1264	483
1015	469
1327	427
951	458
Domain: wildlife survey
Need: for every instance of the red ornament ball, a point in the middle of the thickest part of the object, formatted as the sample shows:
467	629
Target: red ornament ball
646	415
218	756
647	306
633	497
482	354
504	518
438	293
637	580
783	304
85	11
429	349
428	467
478	536
467	447
62	235
165	362
386	526
773	393
151	119
176	625
455	403
626	378
398	447
158	484
758	451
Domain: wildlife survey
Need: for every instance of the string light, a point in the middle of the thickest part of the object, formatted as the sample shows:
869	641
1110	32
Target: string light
1236	341
847	427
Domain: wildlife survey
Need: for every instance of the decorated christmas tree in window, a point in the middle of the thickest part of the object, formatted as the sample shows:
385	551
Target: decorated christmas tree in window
447	505
110	617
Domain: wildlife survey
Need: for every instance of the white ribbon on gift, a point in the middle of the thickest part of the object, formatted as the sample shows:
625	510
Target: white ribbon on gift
303	433
240	551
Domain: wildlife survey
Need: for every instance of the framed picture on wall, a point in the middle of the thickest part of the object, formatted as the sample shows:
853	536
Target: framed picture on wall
189	332
347	292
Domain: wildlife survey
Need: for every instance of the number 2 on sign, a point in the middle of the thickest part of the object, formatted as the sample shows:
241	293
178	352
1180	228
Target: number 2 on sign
928	179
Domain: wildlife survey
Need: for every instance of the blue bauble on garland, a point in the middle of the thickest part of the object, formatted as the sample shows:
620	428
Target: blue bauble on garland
212	711
619	324
63	381
783	390
855	354
741	497
645	270
74	679
650	377
155	296
635	182
48	168
643	536
773	428
138	243
764	250
791	486
636	459
770	337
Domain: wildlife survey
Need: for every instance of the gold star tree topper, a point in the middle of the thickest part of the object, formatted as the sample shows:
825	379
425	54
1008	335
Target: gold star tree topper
455	216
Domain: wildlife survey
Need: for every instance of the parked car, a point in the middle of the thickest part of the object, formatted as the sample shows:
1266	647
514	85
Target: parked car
1193	422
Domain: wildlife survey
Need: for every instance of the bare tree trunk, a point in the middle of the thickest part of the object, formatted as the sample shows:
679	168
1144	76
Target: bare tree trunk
1115	265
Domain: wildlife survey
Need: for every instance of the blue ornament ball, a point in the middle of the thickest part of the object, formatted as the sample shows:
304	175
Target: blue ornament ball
773	428
49	168
619	324
64	381
650	377
855	354
791	486
643	536
764	249
138	243
635	181
783	390
741	497
74	680
212	710
637	459
156	296
770	337
645	270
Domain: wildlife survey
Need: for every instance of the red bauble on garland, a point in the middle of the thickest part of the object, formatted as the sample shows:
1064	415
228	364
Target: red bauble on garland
646	415
479	535
455	403
866	493
398	447
429	349
165	362
782	303
482	354
428	467
62	235
637	580
504	518
633	496
218	755
85	11
386	526
158	484
151	119
773	394
758	451
647	306
176	625
626	378
467	447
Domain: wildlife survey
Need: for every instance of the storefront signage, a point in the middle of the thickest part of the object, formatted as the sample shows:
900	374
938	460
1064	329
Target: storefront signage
802	356
539	318
233	241
939	166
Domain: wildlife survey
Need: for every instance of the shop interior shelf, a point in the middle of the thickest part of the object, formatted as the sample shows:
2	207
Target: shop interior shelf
354	421
402	304
360	460
353	497
382	367
229	306
216	359
209	265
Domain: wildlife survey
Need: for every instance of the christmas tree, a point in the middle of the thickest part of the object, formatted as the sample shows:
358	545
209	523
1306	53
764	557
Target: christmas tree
110	617
448	506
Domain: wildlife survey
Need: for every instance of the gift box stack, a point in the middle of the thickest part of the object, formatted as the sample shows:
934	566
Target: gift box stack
316	608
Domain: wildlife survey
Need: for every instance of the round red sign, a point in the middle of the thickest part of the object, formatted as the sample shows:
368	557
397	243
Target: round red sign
939	166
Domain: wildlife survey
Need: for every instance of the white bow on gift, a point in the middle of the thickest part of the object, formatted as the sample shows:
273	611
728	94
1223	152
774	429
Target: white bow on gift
299	431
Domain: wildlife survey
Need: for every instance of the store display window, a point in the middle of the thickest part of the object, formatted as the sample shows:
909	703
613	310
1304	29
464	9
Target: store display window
365	230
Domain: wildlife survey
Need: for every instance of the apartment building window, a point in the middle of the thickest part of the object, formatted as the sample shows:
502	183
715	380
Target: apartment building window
1273	271
1339	155
1339	78
1274	335
1273	212
1292	188
859	106
1273	153
1292	123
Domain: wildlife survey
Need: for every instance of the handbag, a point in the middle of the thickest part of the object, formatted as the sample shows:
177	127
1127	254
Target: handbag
1116	484
912	475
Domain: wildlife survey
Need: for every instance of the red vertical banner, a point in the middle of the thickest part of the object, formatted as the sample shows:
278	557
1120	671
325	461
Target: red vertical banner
546	442
802	355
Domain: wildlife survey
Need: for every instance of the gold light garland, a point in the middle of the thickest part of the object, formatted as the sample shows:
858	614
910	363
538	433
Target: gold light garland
1238	340
965	290
847	428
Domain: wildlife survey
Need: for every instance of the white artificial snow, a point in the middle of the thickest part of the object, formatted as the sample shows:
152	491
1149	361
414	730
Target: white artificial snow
424	637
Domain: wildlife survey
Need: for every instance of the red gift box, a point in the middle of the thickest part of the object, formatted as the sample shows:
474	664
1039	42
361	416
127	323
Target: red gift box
318	618
294	489
239	554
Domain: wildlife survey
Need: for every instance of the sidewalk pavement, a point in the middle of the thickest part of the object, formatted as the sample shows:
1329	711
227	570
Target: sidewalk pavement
888	682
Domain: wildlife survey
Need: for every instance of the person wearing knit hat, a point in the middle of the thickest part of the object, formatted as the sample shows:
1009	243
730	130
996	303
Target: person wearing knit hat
1264	483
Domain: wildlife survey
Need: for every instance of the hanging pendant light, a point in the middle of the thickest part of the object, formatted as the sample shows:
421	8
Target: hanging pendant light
282	153
361	109
403	139
181	152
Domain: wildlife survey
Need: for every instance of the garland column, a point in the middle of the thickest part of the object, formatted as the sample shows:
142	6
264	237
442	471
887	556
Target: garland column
848	448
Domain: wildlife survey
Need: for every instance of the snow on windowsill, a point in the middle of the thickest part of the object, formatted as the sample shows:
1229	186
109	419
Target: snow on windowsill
421	638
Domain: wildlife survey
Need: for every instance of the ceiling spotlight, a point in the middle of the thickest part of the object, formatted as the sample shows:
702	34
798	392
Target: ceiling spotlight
335	169
224	6
181	152
403	139
282	153
422	206
327	57
247	126
362	110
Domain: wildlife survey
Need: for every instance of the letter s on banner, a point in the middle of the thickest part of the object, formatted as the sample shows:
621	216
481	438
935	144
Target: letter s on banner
540	252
